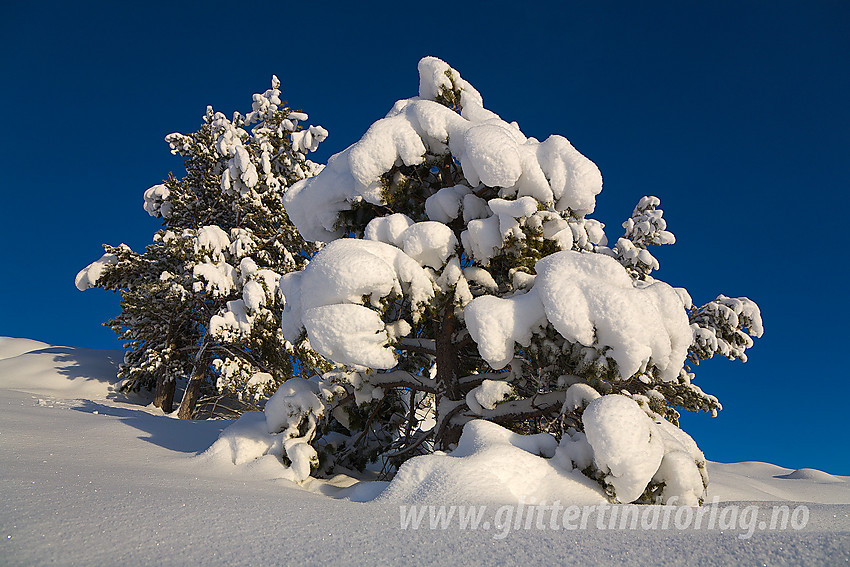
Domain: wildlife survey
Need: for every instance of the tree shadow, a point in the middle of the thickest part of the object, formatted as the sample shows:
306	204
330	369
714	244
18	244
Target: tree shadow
75	363
101	366
82	363
184	436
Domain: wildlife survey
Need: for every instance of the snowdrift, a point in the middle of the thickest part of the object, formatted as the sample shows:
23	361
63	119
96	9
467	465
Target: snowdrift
491	464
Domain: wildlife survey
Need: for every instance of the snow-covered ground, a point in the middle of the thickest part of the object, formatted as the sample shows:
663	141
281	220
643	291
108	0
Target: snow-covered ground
88	477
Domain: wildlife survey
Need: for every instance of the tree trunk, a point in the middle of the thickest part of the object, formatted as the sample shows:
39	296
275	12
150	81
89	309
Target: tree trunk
447	378
164	395
193	388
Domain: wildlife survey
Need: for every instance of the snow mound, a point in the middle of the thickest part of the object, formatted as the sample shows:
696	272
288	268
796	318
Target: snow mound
245	440
811	474
67	372
491	464
683	468
248	444
294	402
261	441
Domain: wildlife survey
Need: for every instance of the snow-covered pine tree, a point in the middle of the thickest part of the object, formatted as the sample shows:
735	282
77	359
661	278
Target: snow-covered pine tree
476	287
202	300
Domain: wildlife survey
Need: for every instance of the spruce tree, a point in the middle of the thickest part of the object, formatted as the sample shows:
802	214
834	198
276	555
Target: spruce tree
201	301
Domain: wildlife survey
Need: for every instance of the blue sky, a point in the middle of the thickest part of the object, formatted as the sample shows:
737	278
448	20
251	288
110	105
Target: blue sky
735	114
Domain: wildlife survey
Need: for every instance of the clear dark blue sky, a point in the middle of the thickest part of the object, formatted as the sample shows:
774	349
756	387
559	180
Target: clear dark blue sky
734	113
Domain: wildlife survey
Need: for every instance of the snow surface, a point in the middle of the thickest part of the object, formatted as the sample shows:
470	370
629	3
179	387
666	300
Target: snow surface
88	479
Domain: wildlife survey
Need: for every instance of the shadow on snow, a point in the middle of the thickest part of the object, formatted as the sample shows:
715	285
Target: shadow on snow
185	436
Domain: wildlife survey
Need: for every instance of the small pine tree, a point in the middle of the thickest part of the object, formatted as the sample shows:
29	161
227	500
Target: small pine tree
202	300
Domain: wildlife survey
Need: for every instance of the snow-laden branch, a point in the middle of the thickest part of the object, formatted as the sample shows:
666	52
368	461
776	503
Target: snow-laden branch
516	410
592	300
402	379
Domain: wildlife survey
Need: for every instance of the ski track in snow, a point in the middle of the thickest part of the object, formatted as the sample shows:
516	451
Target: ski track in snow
86	479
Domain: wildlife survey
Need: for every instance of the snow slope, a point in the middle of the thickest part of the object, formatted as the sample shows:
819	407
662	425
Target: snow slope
86	478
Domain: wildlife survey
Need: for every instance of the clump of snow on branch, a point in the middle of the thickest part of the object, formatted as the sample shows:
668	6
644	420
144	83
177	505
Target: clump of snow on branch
326	300
308	140
156	201
725	327
488	395
645	227
635	454
87	277
589	299
578	396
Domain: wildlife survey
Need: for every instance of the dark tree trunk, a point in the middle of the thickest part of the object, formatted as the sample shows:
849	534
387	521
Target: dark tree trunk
193	388
164	394
447	378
